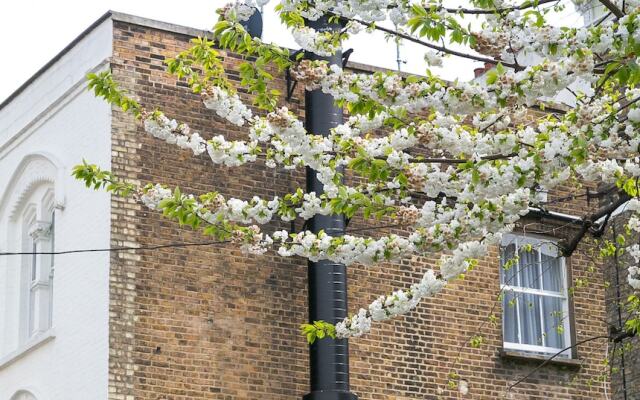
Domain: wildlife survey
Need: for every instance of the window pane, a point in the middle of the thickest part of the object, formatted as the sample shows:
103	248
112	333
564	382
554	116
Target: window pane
529	269
53	235
34	262
32	312
530	324
510	317
554	319
508	275
549	248
552	274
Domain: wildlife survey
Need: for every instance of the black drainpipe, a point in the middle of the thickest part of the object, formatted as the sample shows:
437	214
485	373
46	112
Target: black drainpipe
328	359
620	322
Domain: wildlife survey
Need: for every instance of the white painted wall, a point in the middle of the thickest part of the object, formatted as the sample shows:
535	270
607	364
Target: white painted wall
55	118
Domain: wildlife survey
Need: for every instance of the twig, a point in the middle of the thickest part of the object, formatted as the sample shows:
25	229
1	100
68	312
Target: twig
462	161
548	360
476	11
436	47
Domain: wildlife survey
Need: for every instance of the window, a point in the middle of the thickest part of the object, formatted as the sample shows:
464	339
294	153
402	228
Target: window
592	11
27	211
533	280
39	269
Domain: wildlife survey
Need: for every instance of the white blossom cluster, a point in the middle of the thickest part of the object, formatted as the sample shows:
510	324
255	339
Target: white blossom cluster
386	307
346	249
218	208
241	10
231	153
226	105
374	10
238	11
634	277
291	146
154	195
511	39
433	59
633	224
161	127
459	98
252	240
325	43
312	205
320	43
221	151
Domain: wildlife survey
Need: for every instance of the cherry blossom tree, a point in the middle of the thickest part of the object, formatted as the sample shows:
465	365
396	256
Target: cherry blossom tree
456	164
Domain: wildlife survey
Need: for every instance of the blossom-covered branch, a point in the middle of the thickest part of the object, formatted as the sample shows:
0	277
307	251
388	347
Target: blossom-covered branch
476	149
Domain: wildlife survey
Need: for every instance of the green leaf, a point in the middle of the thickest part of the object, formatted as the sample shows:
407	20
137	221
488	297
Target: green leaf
491	76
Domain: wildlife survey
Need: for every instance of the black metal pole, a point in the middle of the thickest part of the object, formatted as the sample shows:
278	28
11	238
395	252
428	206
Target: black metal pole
327	280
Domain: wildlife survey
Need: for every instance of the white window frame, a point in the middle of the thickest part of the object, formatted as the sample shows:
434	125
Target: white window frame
36	290
28	244
52	257
518	240
33	286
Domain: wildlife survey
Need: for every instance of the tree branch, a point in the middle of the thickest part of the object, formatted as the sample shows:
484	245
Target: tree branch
549	109
569	247
548	360
476	11
612	7
436	47
462	161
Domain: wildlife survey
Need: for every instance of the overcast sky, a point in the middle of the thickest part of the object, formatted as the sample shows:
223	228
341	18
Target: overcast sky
34	31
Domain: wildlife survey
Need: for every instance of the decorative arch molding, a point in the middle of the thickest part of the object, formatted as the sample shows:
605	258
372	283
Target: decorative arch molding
34	169
24	395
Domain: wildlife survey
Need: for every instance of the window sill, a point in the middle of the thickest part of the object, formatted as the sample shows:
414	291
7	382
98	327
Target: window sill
522	356
27	348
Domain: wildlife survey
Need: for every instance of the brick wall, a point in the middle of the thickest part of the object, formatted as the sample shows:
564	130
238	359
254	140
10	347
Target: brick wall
212	323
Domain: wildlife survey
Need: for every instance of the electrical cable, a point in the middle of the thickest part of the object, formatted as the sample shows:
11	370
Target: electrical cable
116	249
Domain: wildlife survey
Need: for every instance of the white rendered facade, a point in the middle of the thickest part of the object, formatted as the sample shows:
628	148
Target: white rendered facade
54	309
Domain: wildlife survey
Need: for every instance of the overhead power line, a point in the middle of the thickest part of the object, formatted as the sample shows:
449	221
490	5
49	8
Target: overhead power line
116	249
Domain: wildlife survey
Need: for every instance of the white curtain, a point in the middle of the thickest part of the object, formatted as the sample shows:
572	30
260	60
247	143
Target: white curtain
554	318
508	276
552	274
530	324
510	317
529	269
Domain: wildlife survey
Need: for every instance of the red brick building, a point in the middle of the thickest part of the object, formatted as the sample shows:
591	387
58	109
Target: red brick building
211	323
